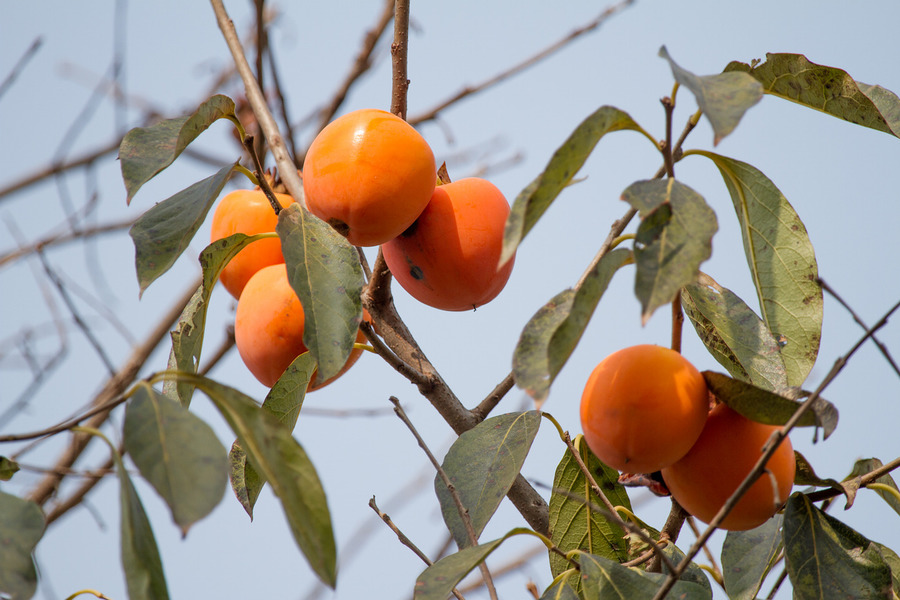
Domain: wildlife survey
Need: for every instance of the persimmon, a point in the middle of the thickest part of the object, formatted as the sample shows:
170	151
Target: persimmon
643	407
723	456
248	212
449	257
268	327
369	174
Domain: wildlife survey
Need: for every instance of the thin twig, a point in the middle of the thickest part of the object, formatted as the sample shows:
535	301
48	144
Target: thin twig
485	407
399	56
20	65
461	509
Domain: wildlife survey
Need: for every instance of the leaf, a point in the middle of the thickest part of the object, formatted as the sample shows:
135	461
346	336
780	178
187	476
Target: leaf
21	528
828	89
748	556
574	525
536	198
723	98
283	401
782	263
143	568
605	579
768	407
559	591
736	337
187	338
437	581
552	334
805	475
674	237
827	559
145	151
281	460
162	233
325	272
177	453
893	561
867	465
8	468
482	465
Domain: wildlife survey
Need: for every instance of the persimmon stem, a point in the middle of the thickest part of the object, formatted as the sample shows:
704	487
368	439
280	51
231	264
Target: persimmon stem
677	322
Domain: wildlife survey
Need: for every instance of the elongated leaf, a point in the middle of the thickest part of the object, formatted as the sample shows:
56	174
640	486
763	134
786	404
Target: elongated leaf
748	556
437	581
325	272
177	453
674	237
482	465
574	525
162	233
143	568
723	98
145	151
552	334
281	460
782	263
187	338
767	407
536	198
867	465
827	559
283	401
828	89
605	579
735	336
21	528
8	468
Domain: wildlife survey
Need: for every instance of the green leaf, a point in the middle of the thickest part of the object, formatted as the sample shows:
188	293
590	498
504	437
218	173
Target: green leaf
187	338
828	89
674	237
8	468
605	579
827	559
177	453
723	98
21	528
867	465
767	407
325	272
283	401
482	465
552	334
782	263
736	337
893	561
145	151
536	198
162	233
437	581
574	525
748	556
281	460
560	590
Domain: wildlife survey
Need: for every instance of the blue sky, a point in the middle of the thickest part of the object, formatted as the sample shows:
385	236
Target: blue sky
839	178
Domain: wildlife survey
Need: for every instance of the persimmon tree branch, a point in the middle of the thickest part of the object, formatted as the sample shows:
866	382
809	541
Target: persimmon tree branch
399	56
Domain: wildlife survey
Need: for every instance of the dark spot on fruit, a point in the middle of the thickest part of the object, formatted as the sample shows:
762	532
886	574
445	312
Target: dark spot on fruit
411	229
416	273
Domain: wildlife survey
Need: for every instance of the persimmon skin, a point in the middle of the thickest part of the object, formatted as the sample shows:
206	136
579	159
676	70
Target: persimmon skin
643	407
369	174
725	453
448	259
268	327
248	212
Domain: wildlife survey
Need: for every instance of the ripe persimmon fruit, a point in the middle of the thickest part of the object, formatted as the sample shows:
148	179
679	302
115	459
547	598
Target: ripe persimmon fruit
369	174
268	327
248	212
724	454
449	257
643	407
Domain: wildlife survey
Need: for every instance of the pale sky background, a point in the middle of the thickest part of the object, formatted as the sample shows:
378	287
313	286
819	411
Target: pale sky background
840	178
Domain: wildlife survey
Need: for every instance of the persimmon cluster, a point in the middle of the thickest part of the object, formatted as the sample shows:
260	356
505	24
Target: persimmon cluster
372	177
646	408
